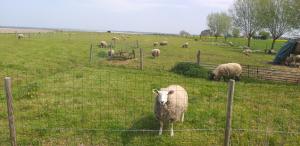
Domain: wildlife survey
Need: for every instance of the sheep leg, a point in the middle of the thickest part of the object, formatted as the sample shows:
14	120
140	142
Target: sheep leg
182	117
161	127
172	131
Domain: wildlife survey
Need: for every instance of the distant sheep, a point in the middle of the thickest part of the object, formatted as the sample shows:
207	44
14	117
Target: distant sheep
163	43
110	52
115	38
247	52
103	44
185	45
20	36
170	105
292	60
155	52
229	70
155	44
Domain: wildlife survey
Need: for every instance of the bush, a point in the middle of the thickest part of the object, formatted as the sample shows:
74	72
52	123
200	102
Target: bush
190	69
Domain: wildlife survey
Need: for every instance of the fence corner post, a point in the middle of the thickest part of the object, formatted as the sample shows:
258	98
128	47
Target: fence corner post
230	95
10	111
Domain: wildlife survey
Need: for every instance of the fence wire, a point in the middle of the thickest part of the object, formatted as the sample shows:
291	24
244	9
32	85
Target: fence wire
111	106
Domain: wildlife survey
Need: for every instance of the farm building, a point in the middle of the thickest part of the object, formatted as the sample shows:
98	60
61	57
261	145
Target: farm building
292	47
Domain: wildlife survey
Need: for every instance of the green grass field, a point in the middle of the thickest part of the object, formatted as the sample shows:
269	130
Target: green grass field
62	99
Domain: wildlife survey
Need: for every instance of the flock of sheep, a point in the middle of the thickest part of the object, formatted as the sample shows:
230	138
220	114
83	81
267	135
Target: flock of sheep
154	52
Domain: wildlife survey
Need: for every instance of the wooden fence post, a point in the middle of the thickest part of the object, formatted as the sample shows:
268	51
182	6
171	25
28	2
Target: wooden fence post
10	111
198	57
231	85
133	53
91	54
141	59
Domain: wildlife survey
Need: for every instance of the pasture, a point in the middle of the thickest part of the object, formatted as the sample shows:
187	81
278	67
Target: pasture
60	98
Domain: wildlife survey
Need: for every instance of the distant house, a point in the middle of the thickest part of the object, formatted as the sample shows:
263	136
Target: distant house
206	32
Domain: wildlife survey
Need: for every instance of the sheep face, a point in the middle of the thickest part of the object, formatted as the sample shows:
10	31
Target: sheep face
162	96
211	76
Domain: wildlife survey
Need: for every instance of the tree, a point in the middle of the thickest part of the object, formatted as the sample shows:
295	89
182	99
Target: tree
236	32
280	18
244	15
184	33
219	23
264	35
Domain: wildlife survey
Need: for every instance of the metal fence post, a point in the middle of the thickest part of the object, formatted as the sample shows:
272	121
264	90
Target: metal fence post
91	54
231	85
10	111
141	59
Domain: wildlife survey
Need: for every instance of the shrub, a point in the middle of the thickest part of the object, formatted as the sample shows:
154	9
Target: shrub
190	69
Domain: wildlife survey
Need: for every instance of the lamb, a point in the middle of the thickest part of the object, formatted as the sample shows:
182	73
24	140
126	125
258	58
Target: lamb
170	105
163	43
155	52
20	35
185	45
155	44
229	70
103	44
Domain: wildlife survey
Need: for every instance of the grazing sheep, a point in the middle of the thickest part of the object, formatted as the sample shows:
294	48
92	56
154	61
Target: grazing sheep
170	105
20	36
115	38
110	52
185	45
229	70
230	43
292	60
155	52
163	43
103	44
155	44
247	52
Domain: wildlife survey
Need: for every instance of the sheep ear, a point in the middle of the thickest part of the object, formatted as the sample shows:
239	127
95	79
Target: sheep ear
170	92
155	91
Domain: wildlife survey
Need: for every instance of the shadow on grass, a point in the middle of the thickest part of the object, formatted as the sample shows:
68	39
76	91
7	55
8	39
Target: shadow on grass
148	123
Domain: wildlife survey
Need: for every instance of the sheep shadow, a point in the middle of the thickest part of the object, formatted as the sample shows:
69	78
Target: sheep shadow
148	123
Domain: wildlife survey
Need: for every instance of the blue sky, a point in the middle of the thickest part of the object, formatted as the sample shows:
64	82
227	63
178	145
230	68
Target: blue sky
168	16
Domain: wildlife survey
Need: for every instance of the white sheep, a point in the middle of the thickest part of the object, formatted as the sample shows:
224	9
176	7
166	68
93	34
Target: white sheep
229	70
155	44
20	36
292	59
163	43
103	44
170	105
247	52
185	45
155	52
110	52
115	38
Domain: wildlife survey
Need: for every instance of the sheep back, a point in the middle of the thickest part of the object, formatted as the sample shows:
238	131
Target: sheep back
228	70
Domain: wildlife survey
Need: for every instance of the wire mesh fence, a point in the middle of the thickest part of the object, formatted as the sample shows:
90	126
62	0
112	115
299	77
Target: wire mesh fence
114	106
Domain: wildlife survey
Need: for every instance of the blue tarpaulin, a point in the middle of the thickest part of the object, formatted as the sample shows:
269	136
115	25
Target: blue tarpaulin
285	51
